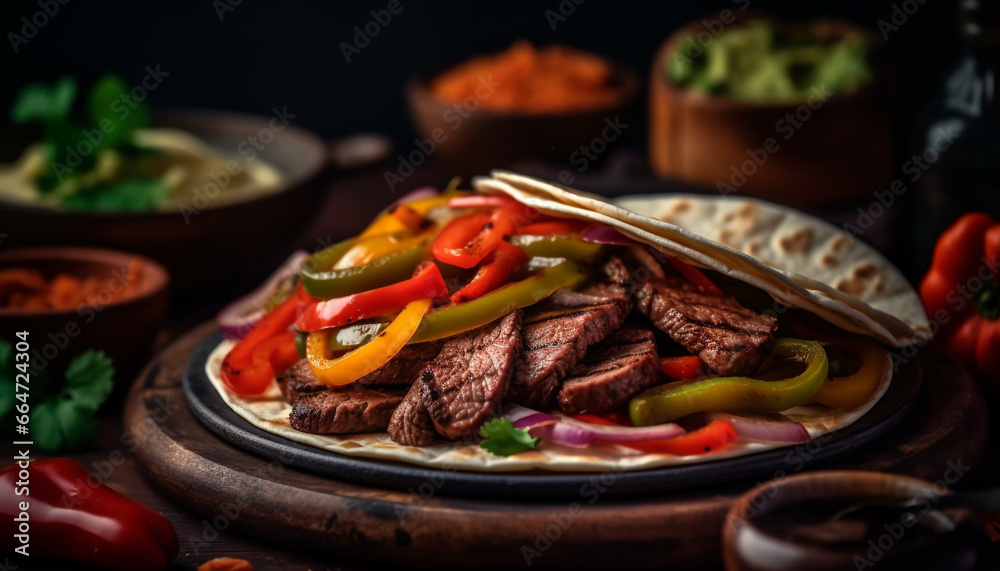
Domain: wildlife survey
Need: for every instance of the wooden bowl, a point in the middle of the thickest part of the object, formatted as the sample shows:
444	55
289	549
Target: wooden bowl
124	329
232	240
831	150
749	546
485	139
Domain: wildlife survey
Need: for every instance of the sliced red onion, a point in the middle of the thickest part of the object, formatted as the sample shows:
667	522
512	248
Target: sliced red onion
601	234
572	432
570	298
776	428
240	316
418	194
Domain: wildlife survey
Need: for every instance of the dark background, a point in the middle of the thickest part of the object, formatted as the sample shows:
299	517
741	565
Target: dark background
272	54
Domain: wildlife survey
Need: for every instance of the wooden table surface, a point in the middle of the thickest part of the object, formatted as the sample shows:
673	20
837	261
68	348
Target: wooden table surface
350	202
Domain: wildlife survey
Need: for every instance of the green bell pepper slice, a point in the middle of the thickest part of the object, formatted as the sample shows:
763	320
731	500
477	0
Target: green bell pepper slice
557	247
325	283
737	394
453	319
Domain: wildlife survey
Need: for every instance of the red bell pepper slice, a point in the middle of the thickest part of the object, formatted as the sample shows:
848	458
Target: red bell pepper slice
426	283
74	518
555	227
268	350
716	435
467	241
694	276
503	262
682	368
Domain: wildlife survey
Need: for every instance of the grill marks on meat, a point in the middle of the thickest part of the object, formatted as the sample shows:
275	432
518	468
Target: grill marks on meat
621	366
557	337
346	410
728	337
410	424
466	383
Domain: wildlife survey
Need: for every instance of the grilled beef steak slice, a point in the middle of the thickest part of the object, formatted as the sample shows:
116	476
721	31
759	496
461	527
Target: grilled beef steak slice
345	410
621	366
410	425
728	337
401	370
556	336
466	383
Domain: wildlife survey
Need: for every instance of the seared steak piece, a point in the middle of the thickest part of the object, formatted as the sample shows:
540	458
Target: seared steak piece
557	334
728	337
401	370
410	425
466	383
346	410
621	366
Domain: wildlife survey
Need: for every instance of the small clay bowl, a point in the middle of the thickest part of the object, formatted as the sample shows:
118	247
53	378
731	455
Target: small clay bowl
833	149
486	139
124	328
783	525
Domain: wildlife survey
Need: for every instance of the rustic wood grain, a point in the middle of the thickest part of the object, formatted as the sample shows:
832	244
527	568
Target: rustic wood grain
295	510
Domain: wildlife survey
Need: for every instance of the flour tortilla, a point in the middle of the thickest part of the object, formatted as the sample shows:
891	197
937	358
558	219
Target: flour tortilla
890	314
269	412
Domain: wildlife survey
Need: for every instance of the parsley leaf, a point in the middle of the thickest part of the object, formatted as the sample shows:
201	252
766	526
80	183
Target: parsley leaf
133	195
503	439
89	379
50	105
109	113
63	420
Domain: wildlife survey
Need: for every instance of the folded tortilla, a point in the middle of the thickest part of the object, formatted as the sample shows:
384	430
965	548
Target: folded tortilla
802	262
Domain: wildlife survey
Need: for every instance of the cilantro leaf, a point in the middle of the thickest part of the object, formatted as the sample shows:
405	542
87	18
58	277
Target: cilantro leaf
45	429
109	113
503	439
89	379
39	102
133	195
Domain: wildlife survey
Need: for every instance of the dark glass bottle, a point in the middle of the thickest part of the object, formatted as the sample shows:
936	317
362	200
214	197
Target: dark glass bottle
956	165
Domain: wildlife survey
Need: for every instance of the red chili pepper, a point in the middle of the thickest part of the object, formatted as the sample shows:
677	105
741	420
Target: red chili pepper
427	282
555	227
55	509
962	294
682	368
694	276
266	351
503	262
716	435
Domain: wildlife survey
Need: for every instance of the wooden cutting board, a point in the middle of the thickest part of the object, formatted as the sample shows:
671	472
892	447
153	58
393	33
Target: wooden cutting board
947	425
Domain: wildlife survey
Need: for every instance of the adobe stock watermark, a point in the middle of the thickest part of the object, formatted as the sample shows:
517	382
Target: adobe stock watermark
90	139
583	156
364	34
248	149
914	167
453	116
33	23
786	126
224	7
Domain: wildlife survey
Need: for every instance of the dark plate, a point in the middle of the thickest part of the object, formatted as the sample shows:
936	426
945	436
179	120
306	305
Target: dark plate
209	408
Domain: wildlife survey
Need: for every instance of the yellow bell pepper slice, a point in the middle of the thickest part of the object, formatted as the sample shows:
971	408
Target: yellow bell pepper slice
858	387
367	250
351	366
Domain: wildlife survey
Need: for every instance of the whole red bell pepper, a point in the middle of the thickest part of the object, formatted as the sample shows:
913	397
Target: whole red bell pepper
961	293
68	516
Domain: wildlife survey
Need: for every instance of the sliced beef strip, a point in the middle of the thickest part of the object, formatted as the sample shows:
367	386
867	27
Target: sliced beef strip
410	424
401	370
621	366
728	337
556	337
466	383
346	410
